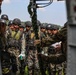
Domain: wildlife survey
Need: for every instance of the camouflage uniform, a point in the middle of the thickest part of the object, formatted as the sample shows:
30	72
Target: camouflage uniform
49	36
60	36
44	48
8	60
32	59
6	18
43	36
6	57
14	42
31	51
15	47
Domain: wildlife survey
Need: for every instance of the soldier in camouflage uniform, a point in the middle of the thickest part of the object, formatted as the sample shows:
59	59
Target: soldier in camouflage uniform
49	36
14	41
22	56
31	52
61	35
6	18
6	57
54	49
22	27
43	35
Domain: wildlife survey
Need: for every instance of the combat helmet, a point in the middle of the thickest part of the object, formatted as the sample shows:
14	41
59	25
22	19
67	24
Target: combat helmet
17	21
22	25
2	21
28	23
10	22
55	27
49	27
5	17
43	25
38	23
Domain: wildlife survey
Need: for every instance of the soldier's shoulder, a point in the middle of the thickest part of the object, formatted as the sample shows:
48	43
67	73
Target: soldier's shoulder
63	28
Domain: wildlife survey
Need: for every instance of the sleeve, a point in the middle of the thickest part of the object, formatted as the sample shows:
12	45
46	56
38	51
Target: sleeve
60	36
47	42
23	44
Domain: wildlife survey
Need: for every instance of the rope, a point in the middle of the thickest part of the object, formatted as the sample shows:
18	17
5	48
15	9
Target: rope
33	13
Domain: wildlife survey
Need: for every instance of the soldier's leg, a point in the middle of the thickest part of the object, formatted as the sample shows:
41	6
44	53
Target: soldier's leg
36	63
30	62
16	53
7	73
22	66
42	62
64	65
59	69
13	73
14	63
49	69
52	67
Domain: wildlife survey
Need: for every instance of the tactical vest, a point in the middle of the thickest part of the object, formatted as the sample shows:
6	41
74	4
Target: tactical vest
13	40
29	40
29	36
16	35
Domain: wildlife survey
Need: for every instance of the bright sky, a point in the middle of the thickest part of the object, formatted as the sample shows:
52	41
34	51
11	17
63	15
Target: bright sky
55	13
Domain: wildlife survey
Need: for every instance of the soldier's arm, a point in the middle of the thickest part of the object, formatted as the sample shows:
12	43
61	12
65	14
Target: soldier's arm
44	42
60	36
47	42
23	50
23	44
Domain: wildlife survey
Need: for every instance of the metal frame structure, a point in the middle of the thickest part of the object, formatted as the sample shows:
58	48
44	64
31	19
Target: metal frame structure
43	3
71	38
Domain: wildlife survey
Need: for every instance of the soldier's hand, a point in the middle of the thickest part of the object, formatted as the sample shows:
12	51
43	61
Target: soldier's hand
58	47
37	42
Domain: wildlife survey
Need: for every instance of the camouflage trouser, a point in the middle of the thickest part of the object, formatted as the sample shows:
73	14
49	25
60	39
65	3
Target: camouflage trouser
15	52
7	73
57	69
65	67
32	61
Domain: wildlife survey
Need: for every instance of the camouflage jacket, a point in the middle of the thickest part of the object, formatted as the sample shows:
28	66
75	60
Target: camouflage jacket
60	36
